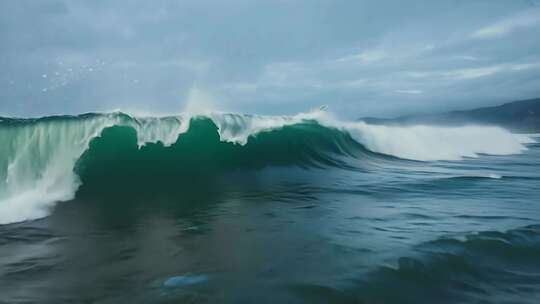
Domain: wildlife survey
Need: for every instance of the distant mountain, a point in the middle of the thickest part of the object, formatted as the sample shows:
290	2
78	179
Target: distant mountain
519	116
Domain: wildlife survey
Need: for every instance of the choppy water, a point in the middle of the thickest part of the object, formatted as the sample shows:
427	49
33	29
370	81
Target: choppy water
287	211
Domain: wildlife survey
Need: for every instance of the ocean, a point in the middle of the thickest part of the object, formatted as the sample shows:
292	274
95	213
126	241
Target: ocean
233	208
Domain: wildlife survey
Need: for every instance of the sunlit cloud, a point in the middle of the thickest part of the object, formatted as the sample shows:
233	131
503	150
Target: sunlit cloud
410	92
365	57
462	74
520	21
467	57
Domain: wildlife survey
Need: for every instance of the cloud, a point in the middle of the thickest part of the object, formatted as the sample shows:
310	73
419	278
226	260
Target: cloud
361	57
365	57
473	73
466	57
520	21
464	74
410	92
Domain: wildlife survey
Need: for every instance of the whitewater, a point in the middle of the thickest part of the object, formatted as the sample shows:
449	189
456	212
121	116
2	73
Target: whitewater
38	156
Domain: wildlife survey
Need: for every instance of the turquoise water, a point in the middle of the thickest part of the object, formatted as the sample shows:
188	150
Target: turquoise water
298	213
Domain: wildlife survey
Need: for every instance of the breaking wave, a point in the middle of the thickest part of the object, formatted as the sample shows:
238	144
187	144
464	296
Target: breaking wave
46	160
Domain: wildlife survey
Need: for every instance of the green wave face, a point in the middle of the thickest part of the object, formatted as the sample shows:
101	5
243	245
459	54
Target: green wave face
37	157
114	159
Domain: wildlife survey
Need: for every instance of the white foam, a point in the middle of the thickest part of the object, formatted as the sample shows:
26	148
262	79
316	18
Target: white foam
237	128
429	143
165	129
474	175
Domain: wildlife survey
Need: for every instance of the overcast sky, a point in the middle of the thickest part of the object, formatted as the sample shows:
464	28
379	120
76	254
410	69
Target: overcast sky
270	57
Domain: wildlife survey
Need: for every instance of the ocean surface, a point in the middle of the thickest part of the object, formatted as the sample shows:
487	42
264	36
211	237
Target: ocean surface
231	208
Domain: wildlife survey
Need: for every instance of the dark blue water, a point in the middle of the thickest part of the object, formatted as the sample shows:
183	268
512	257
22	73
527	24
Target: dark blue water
392	232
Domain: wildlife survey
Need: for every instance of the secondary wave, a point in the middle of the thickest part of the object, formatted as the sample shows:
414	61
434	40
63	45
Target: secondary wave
489	266
45	160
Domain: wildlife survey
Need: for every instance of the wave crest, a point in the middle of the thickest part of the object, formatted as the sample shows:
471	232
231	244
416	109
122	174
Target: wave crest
45	160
